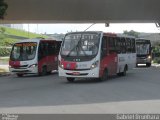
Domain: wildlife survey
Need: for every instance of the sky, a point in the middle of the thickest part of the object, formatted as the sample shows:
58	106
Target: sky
113	27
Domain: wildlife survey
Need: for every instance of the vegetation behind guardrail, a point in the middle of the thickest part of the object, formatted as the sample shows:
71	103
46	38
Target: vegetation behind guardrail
5	52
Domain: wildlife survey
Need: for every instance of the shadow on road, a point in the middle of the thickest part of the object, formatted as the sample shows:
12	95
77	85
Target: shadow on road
92	80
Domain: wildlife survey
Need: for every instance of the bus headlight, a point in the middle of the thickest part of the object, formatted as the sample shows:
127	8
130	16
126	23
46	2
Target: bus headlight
60	64
33	66
149	57
94	65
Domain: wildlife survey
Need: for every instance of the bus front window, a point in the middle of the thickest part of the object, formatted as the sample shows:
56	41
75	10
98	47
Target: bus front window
24	51
143	49
84	44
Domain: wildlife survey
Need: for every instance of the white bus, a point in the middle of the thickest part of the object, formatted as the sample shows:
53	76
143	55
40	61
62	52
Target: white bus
143	49
95	55
34	56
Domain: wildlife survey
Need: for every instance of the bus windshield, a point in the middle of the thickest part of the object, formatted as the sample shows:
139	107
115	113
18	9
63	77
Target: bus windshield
143	48
23	51
80	44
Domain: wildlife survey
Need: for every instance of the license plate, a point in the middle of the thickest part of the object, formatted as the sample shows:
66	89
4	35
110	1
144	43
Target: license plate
75	73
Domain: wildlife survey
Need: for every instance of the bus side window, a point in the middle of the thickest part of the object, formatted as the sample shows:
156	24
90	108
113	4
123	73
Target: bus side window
54	48
133	45
51	48
118	45
46	49
58	45
112	48
123	45
42	51
128	45
104	47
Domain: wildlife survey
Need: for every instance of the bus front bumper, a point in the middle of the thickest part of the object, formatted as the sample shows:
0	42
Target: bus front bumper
143	60
33	70
93	73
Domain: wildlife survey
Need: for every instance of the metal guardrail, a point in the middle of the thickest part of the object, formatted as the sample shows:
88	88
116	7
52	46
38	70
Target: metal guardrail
5	47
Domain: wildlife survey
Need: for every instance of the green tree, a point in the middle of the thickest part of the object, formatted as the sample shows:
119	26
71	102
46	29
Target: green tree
3	8
131	33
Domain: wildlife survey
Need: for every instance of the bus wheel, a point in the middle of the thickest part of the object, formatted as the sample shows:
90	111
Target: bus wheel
119	74
19	75
104	76
69	79
148	64
49	72
44	70
124	71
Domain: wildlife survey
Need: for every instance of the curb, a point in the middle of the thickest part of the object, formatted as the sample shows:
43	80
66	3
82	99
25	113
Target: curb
156	65
4	69
4	74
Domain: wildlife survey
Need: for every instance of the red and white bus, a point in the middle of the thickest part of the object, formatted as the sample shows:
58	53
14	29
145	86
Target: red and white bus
34	56
96	55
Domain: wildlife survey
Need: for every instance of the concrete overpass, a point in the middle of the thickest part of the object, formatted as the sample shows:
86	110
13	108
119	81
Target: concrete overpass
79	11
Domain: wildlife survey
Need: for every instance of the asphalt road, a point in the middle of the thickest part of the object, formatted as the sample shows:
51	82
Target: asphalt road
139	91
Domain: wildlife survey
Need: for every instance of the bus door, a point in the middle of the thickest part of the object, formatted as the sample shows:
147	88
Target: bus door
53	51
56	52
42	55
49	45
108	56
53	55
113	58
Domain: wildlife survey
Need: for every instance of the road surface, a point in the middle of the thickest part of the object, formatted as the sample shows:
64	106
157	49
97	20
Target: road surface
138	92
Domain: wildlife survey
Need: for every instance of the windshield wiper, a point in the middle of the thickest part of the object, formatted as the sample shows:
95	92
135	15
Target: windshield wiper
77	46
73	48
77	49
83	51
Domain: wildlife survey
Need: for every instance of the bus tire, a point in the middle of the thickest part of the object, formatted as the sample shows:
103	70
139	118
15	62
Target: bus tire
19	75
49	72
119	74
104	76
70	79
124	71
44	70
148	64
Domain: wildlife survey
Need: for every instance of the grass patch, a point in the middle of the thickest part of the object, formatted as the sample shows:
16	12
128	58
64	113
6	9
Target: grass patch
8	36
22	33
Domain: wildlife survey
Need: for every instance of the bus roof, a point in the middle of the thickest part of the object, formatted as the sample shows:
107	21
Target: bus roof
84	32
97	32
36	40
142	39
126	36
104	33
